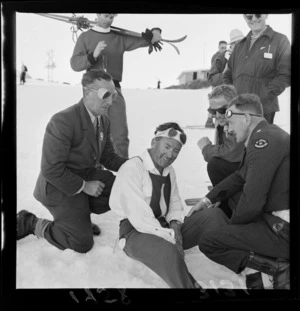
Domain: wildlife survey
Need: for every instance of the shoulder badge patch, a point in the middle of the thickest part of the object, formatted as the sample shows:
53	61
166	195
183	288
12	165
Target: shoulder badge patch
261	143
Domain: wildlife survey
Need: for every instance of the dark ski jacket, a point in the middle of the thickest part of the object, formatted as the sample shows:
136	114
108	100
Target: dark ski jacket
264	70
215	76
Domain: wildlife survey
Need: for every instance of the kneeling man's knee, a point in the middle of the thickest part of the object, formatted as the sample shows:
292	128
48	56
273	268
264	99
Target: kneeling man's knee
82	245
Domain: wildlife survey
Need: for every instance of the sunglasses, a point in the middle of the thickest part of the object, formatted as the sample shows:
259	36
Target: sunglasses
104	93
229	113
249	17
221	110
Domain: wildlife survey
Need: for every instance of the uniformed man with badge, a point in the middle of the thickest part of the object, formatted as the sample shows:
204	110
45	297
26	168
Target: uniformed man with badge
257	234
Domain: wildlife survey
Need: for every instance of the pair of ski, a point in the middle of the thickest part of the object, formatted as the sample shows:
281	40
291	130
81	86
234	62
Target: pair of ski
84	23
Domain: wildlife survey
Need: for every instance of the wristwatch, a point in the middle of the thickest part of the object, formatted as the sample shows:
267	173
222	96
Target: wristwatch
206	201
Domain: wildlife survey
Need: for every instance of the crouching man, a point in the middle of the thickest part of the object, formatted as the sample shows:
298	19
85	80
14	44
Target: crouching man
257	234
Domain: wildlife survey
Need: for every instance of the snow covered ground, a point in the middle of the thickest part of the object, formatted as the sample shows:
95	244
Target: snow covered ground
41	265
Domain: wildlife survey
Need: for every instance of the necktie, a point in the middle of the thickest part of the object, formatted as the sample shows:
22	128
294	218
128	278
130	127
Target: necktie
220	134
97	130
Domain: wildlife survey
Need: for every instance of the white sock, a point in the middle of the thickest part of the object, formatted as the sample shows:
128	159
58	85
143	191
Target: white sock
267	281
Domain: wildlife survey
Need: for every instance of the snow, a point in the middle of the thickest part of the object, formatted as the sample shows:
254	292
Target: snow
41	265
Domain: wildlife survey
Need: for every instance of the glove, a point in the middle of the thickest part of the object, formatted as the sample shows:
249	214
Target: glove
148	36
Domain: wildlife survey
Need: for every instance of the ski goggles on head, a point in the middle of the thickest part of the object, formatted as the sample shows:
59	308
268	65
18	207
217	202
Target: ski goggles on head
172	133
249	17
229	113
104	93
221	110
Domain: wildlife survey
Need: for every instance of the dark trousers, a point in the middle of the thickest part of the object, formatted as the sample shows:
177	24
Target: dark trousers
218	169
163	257
72	227
118	125
22	77
270	117
230	245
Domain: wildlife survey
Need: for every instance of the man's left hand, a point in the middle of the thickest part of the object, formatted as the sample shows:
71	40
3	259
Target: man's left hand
202	142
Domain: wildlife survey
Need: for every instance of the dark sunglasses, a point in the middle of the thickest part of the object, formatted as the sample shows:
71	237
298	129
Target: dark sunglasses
221	110
182	136
250	16
229	113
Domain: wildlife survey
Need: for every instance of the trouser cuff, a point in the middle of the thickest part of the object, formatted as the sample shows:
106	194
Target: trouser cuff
40	227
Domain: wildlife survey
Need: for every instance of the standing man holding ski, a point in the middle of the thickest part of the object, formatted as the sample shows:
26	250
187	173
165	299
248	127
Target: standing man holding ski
102	48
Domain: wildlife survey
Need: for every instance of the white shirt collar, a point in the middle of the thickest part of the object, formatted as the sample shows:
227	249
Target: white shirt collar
100	29
149	165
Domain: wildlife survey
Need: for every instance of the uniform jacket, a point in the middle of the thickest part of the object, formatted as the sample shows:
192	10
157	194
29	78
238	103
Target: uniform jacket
228	150
70	151
266	75
263	176
111	58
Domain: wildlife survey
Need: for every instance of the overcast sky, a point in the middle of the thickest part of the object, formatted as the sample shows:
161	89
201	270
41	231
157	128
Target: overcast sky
36	35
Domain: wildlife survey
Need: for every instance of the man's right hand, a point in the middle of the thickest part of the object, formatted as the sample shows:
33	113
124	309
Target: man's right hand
99	48
93	187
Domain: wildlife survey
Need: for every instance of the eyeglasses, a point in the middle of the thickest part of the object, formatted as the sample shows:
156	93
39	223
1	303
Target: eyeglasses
250	16
229	113
173	133
221	110
104	93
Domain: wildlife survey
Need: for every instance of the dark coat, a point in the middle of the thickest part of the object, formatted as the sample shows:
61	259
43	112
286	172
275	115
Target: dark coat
254	72
215	76
263	176
70	151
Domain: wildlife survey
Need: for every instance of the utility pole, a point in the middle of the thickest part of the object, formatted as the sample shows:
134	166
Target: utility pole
50	65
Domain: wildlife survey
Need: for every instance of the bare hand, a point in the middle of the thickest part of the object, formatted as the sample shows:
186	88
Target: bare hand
198	207
203	141
99	48
180	249
93	188
227	54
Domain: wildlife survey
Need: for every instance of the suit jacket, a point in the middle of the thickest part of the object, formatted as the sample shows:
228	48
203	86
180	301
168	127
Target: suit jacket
70	152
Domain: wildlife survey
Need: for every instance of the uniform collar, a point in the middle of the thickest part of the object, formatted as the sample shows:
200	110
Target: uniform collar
100	29
149	165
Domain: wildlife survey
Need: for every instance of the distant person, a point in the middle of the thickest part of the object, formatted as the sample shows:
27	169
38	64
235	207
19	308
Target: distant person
261	64
23	74
145	195
223	157
219	66
102	48
221	49
257	234
158	84
72	183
